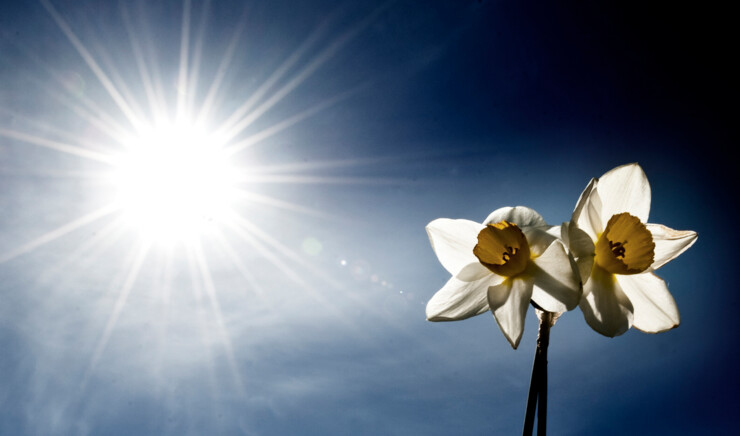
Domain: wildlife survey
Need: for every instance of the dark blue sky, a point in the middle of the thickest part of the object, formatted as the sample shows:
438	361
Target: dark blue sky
368	122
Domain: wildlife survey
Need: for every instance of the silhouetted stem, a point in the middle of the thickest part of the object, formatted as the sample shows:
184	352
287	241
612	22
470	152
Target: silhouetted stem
538	383
531	399
543	341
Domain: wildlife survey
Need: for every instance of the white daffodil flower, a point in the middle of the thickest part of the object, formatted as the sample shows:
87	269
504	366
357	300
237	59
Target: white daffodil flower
617	252
501	265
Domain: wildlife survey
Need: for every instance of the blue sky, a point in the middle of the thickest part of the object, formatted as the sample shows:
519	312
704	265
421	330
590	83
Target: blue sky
365	122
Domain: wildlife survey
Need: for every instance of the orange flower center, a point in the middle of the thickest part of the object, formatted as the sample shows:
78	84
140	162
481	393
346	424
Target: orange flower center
626	246
502	248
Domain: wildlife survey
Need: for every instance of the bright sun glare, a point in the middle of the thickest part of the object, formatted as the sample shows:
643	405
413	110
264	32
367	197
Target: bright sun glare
174	181
177	182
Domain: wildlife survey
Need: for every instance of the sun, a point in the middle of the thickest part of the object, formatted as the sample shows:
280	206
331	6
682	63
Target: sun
170	166
174	181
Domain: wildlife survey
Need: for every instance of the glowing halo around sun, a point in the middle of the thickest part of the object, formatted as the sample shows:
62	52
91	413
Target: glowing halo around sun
173	182
161	163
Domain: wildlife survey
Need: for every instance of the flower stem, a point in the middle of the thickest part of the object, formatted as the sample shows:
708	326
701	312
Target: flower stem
532	399
538	383
543	341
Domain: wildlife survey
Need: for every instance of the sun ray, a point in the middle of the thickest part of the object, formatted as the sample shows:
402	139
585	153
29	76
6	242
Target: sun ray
286	123
133	274
152	57
200	313
182	80
223	66
321	58
251	234
285	205
119	82
164	282
87	252
295	167
295	259
90	61
48	128
246	237
57	146
115	77
59	79
167	274
240	112
240	266
155	100
87	109
102	119
324	180
57	233
192	84
53	92
96	116
147	64
245	231
87	175
260	110
210	290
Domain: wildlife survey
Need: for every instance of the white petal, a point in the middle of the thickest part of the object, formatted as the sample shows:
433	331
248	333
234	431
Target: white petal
539	239
586	215
453	242
472	272
508	302
581	204
581	247
522	216
459	300
556	231
593	213
605	307
655	310
557	285
669	243
624	189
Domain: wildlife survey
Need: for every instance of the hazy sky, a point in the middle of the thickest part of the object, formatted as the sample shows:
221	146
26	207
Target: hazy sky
351	127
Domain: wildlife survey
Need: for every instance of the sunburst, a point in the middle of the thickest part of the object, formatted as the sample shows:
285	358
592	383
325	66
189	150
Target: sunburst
176	167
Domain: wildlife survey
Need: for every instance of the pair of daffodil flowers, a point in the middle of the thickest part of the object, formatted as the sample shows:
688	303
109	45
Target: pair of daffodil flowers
602	261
